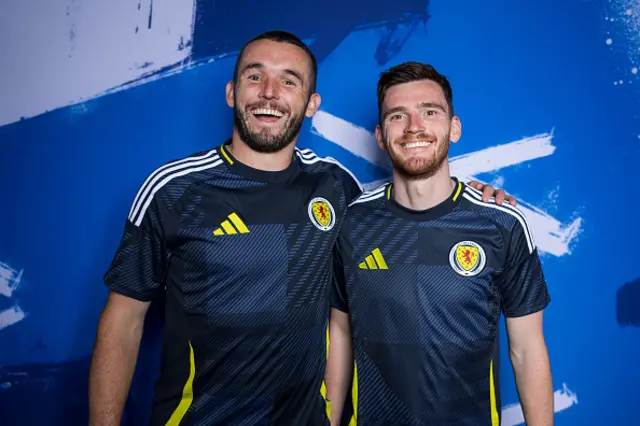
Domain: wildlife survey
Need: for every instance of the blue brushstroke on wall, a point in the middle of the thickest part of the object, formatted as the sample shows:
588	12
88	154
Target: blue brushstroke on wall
217	29
69	176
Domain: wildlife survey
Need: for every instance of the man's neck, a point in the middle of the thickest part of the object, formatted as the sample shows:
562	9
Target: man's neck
270	162
423	194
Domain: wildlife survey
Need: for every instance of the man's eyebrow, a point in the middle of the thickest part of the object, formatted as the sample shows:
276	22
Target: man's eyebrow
294	73
258	65
432	105
252	66
393	111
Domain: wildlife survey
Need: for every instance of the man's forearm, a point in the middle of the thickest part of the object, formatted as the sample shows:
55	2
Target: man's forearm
112	367
535	386
339	364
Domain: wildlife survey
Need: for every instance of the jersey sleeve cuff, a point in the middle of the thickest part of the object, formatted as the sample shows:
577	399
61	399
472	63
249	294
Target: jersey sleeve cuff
128	292
340	307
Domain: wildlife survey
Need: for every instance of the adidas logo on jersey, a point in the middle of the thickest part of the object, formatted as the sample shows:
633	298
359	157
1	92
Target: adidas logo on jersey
234	225
374	261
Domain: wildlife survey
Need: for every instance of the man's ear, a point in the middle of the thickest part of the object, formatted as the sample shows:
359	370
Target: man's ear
456	129
229	94
313	105
380	138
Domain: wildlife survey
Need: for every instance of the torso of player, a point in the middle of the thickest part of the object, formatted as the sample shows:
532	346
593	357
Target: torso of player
425	274
249	251
424	303
247	285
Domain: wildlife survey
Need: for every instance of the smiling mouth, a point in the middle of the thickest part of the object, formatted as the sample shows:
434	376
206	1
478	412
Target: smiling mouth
416	144
267	115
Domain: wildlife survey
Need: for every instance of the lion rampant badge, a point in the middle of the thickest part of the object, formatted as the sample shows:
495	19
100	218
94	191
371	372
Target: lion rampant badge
322	214
467	258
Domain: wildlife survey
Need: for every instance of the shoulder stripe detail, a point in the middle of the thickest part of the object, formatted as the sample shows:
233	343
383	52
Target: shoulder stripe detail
306	152
474	198
160	170
478	196
370	196
145	195
311	158
371	193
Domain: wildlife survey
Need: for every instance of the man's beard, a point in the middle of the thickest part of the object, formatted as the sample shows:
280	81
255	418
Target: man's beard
418	168
263	140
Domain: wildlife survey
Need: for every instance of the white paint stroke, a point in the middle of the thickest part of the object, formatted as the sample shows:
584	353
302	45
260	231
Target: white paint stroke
9	279
501	156
512	414
356	140
60	52
550	235
11	316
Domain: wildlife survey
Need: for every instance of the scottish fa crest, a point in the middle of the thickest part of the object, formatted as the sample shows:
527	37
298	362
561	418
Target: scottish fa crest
322	214
467	258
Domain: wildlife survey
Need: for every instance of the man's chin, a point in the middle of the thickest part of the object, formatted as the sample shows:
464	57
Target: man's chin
416	169
267	145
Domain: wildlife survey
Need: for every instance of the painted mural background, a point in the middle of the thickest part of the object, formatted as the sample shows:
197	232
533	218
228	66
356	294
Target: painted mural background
95	95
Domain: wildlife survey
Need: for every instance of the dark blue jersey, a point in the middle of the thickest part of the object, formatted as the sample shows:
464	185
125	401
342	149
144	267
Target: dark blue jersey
243	257
425	291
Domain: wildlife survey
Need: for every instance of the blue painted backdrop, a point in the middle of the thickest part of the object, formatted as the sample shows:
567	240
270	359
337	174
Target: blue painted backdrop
552	86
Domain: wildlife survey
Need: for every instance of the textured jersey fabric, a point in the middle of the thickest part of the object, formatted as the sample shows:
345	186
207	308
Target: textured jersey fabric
243	258
425	291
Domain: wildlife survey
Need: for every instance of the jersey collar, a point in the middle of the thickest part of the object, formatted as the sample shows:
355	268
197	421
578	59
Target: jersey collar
429	214
255	174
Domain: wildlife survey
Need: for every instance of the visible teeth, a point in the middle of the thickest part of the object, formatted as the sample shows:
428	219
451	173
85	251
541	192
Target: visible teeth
265	111
416	144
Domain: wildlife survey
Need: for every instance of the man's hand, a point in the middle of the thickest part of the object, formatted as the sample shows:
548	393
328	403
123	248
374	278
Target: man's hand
489	191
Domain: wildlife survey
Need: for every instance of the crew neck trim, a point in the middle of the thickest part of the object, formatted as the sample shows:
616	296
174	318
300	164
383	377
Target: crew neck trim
429	214
256	174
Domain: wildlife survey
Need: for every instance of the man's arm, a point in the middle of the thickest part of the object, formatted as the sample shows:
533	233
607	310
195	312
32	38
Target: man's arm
530	360
339	363
114	358
135	278
524	297
339	370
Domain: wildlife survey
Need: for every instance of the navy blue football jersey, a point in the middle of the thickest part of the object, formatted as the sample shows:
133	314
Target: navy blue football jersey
425	291
243	258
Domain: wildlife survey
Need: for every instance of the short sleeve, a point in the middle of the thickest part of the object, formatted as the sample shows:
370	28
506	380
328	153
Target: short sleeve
524	288
339	299
138	267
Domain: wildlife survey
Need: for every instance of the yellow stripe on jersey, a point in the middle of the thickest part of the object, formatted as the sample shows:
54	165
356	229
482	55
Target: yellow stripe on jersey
238	223
377	255
228	228
224	153
458	190
187	393
495	419
370	262
323	387
354	396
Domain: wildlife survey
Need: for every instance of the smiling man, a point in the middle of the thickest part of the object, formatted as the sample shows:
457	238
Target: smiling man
424	268
239	240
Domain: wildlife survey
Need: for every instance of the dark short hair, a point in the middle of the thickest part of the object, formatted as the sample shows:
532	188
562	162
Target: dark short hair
408	72
282	37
